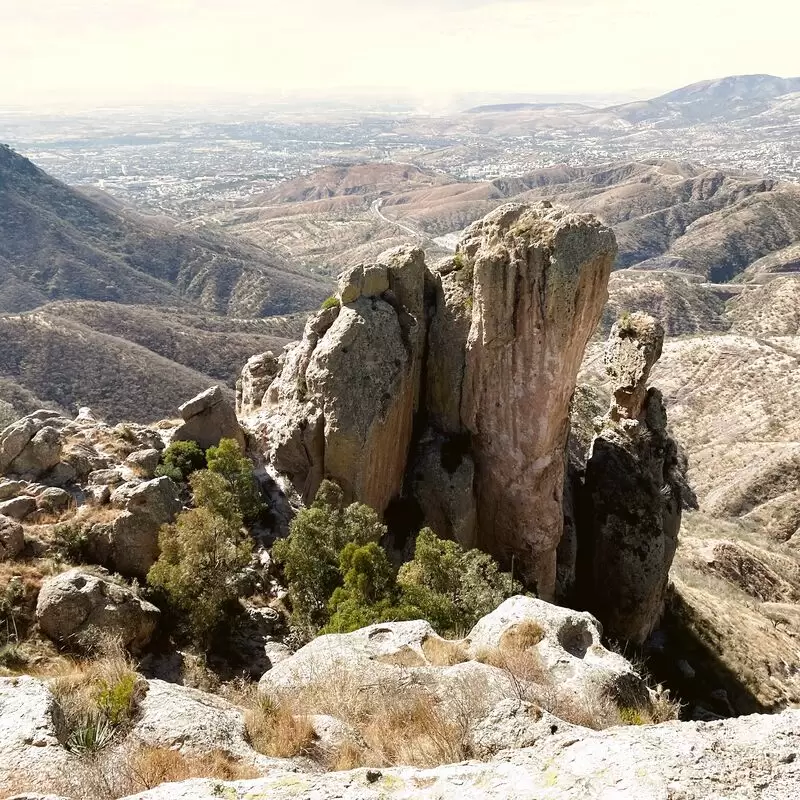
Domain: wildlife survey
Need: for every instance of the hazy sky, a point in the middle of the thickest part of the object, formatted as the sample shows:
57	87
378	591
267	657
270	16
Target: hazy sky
117	51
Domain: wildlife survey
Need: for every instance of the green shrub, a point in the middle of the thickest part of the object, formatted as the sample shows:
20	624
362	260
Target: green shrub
71	541
329	302
180	460
453	588
202	556
341	579
210	490
228	461
117	701
310	556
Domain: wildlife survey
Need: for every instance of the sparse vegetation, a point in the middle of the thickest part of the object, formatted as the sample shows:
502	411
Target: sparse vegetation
202	556
329	302
98	698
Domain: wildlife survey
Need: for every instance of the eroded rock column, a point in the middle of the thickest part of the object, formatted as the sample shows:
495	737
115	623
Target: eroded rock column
634	491
532	281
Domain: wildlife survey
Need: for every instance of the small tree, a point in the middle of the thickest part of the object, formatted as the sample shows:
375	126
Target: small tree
228	461
310	555
452	587
180	460
202	555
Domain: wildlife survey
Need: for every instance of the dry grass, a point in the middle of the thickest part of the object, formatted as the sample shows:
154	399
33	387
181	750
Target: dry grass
521	636
120	772
274	730
98	698
444	652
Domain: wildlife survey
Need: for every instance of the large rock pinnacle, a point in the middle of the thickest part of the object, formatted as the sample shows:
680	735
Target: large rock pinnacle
450	388
539	285
634	491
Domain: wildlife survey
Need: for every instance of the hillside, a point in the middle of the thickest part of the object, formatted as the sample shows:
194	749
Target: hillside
727	99
125	362
57	243
666	215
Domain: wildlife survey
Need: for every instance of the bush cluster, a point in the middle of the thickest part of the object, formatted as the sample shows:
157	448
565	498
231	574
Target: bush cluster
341	579
206	549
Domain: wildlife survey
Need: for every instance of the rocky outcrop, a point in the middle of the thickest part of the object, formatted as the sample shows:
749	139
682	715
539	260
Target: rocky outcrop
12	539
257	375
568	645
30	726
525	648
343	404
30	446
77	607
539	283
634	491
208	418
449	389
750	758
128	543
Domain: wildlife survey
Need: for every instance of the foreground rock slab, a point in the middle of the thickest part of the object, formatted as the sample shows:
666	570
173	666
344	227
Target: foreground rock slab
749	758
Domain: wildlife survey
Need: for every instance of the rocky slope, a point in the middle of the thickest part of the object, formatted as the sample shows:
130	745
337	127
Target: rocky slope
128	363
57	243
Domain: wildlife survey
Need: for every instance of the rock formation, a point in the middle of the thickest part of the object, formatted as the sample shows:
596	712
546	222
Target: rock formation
78	607
448	389
633	493
208	418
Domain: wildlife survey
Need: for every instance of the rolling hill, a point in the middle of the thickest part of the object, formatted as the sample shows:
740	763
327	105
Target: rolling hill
57	243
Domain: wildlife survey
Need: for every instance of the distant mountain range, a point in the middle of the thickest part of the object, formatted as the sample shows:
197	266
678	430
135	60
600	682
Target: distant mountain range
725	99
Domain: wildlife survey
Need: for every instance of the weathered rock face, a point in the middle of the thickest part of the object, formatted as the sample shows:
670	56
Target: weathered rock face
129	542
257	375
749	758
634	490
31	446
450	388
79	607
343	404
539	285
208	418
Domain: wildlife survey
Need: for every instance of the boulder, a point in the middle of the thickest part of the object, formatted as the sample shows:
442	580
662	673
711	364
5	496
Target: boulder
748	758
386	657
18	508
32	445
129	544
568	645
514	724
30	734
40	454
207	418
52	500
257	375
634	490
12	540
144	462
79	607
10	489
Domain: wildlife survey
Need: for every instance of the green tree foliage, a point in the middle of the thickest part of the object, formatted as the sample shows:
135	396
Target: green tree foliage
228	461
310	555
452	587
180	460
341	579
202	555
